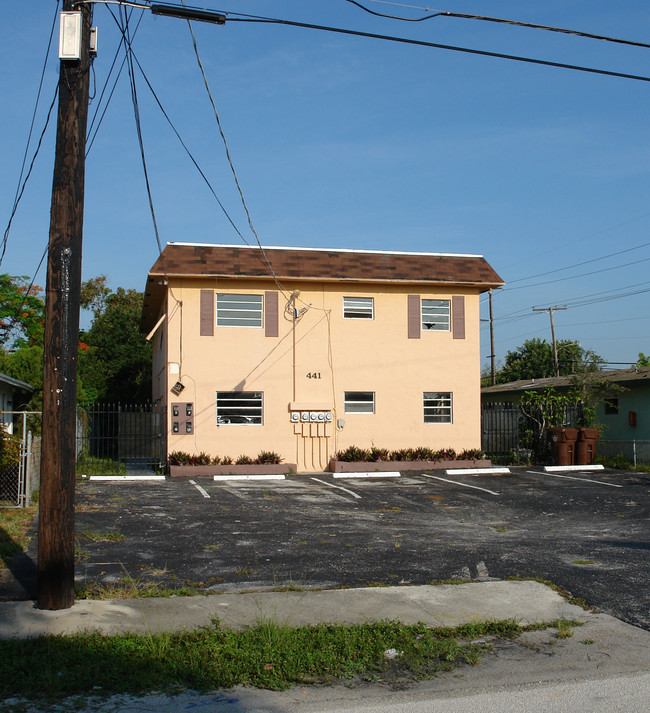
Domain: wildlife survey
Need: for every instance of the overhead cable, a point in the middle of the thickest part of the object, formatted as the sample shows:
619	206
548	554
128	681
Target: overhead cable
499	20
20	187
229	158
436	45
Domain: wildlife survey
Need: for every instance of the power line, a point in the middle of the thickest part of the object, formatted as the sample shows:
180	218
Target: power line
90	140
575	277
221	18
136	113
579	264
229	158
499	20
21	189
435	45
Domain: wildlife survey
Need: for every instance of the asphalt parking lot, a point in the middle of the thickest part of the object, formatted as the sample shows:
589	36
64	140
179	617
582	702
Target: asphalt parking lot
585	531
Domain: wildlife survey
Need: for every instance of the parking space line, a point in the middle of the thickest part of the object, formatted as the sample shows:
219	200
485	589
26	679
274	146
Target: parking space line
200	489
338	487
573	477
454	482
383	474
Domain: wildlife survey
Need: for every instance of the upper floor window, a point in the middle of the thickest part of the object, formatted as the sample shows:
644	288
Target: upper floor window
437	407
239	310
359	402
358	308
239	407
436	315
611	406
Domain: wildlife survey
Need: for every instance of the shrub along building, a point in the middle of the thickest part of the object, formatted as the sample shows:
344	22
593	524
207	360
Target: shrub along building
306	352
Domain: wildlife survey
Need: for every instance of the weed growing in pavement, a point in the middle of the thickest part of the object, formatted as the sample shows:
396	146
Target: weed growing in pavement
565	628
585	562
268	656
108	536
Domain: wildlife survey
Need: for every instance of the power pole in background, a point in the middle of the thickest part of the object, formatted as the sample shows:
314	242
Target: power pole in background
550	311
493	373
62	298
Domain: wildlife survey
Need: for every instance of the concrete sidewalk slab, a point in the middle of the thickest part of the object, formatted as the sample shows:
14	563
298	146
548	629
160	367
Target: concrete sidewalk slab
444	605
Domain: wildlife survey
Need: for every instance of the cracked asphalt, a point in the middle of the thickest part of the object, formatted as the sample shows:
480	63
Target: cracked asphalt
584	531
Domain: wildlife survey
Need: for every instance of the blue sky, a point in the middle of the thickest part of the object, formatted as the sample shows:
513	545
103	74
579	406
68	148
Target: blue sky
349	142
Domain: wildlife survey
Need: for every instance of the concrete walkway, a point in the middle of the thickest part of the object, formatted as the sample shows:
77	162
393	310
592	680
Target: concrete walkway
445	605
603	650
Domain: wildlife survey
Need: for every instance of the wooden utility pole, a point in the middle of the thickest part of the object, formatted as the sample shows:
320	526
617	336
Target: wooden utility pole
493	372
550	311
62	298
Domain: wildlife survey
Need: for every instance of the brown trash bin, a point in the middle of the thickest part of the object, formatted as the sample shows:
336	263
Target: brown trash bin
563	441
586	446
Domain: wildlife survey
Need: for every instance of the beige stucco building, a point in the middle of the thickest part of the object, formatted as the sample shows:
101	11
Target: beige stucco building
305	352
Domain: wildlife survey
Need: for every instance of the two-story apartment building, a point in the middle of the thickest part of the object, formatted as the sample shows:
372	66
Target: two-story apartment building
305	352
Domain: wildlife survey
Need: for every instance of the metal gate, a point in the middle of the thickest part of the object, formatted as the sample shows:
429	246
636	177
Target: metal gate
20	479
500	428
120	439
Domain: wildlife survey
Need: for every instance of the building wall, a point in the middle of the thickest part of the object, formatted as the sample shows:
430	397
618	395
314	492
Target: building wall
332	355
617	426
6	405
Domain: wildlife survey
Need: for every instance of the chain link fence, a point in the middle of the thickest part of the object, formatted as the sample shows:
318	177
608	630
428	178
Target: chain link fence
20	479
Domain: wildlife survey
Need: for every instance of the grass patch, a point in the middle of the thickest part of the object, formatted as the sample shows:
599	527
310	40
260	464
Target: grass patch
129	588
92	465
108	536
14	529
565	628
585	562
266	656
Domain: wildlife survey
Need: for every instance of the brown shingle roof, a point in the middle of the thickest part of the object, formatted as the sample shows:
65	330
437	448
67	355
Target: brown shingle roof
186	260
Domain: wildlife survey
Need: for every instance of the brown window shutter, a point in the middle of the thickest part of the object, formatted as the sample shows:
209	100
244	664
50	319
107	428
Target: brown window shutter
414	316
271	314
458	316
207	313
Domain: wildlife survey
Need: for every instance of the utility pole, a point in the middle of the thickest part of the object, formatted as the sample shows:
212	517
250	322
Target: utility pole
62	298
550	311
493	374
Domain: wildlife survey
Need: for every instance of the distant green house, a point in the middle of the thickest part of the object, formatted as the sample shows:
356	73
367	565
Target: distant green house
626	417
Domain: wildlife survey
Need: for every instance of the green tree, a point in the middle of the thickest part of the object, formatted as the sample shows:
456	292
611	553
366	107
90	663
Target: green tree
22	312
643	360
94	293
22	315
114	357
534	360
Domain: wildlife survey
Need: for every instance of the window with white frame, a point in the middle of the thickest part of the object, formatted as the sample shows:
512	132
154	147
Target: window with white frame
239	407
436	315
358	308
239	310
437	407
359	402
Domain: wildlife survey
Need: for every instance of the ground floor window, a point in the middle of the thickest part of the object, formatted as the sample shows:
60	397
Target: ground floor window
241	407
437	407
359	402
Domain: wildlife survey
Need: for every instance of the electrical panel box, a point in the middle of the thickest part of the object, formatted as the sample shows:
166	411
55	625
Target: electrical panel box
70	35
182	417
